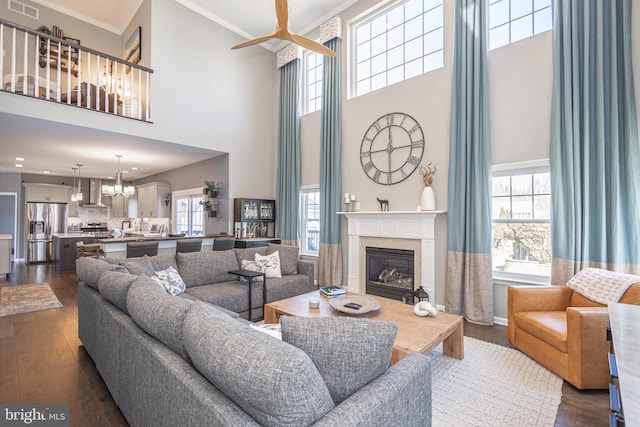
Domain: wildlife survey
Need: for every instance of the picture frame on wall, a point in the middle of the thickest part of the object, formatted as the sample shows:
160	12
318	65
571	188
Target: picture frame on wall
132	48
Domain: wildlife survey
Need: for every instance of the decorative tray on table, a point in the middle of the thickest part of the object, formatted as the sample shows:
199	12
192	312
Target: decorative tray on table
355	304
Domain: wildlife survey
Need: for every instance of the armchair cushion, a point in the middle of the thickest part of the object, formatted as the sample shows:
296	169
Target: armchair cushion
549	326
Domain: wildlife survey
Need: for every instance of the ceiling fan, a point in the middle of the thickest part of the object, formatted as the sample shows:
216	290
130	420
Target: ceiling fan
282	32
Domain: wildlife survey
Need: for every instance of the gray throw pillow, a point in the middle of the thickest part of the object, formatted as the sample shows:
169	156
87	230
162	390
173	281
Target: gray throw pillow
274	382
207	267
158	313
288	257
114	287
89	270
249	254
139	266
162	262
348	352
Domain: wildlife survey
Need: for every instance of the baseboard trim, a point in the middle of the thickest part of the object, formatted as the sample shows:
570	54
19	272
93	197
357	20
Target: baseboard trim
500	321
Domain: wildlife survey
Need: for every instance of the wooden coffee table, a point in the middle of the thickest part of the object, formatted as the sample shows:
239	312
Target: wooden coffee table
415	333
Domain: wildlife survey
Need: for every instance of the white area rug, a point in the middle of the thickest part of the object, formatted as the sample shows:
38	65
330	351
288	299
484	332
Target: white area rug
492	386
27	298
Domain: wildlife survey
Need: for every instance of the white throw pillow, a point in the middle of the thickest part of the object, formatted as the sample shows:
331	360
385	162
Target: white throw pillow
170	280
272	262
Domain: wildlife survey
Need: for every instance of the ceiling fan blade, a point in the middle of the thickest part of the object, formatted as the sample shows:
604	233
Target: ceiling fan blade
311	45
282	12
255	41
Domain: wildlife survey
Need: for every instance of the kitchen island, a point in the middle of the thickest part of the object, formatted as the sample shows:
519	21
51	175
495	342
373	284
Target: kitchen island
117	247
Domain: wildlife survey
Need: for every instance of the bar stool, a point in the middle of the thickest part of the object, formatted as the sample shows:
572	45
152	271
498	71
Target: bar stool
223	243
189	245
92	250
137	249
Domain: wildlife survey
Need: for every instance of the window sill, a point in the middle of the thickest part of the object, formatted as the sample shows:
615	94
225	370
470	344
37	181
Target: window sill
308	255
508	279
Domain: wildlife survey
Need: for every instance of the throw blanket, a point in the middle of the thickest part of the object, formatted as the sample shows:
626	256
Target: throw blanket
602	286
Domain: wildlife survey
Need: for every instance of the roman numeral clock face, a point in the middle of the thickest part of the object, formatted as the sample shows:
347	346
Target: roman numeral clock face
392	148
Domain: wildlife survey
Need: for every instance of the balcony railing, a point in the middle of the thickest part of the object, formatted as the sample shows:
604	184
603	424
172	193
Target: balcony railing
46	67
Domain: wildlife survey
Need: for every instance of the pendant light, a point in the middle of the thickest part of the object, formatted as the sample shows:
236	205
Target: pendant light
79	191
74	197
118	188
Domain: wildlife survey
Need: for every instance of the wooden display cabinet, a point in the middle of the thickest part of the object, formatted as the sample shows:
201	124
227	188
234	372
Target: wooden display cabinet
254	218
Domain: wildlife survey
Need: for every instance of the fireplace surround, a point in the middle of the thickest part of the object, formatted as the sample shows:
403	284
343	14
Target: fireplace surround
424	232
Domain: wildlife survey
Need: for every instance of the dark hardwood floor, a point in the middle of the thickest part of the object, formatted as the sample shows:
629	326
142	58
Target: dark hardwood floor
43	361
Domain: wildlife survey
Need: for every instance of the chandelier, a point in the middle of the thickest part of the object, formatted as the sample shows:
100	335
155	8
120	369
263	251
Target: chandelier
118	188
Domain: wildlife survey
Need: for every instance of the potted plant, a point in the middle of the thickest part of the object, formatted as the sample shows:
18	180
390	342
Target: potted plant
211	189
428	200
208	207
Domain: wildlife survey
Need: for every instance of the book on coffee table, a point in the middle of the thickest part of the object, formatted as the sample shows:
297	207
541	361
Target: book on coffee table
333	291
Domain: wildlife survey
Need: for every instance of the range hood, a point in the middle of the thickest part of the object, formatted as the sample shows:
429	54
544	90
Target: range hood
95	194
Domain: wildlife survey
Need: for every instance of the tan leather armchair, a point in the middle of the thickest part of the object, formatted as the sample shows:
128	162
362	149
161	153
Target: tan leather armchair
564	331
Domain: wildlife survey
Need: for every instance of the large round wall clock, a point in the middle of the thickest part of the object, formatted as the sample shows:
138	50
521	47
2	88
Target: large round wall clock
392	148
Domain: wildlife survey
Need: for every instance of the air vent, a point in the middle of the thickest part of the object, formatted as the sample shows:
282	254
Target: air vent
24	9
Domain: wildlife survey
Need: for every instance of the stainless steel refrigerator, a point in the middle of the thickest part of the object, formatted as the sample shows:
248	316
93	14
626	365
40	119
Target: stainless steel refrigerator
44	220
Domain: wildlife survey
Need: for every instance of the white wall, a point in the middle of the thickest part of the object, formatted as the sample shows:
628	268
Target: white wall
520	88
206	95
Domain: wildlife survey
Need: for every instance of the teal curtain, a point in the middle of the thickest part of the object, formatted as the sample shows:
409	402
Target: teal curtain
469	283
287	195
594	151
330	251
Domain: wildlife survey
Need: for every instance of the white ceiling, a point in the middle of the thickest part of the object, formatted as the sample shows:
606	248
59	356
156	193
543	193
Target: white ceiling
96	150
56	148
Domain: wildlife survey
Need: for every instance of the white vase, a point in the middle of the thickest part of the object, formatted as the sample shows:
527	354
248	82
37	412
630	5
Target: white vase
428	201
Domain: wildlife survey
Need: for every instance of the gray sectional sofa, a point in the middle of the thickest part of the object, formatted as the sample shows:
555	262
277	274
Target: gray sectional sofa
191	360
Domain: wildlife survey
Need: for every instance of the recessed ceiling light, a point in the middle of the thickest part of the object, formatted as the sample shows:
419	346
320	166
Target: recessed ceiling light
125	171
19	159
109	177
46	172
18	165
134	168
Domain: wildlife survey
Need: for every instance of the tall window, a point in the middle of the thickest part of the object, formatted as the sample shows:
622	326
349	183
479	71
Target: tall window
513	20
395	43
310	220
312	82
189	212
521	208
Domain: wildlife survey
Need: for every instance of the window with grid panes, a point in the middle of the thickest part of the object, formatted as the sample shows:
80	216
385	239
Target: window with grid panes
513	20
312	82
310	220
189	214
399	41
521	209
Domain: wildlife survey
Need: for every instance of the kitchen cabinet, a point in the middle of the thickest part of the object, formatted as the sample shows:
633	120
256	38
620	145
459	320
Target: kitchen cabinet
119	206
47	193
151	200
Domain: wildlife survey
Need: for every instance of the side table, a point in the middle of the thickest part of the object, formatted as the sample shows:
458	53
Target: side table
250	275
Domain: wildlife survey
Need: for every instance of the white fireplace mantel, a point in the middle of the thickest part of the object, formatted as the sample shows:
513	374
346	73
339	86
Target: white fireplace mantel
425	230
